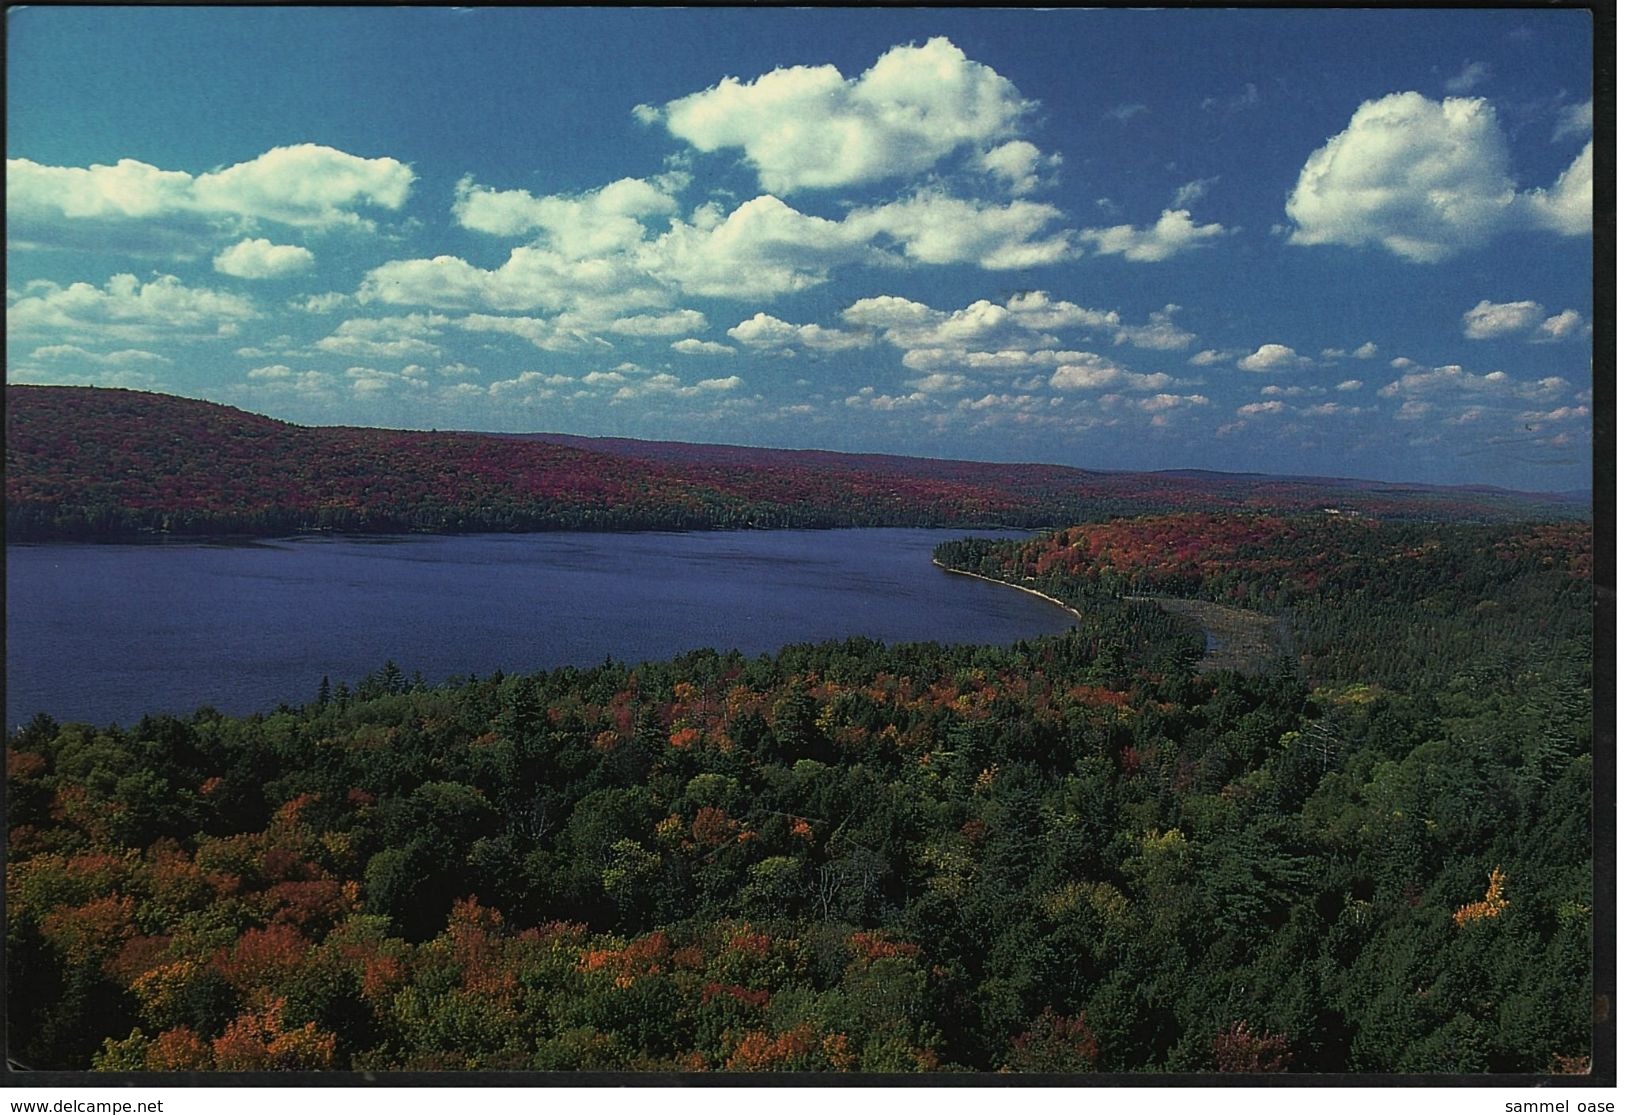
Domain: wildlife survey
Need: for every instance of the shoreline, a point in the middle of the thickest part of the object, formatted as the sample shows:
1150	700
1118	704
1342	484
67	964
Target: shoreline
992	581
164	537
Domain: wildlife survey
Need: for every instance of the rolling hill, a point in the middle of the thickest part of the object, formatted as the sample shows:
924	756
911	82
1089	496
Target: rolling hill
101	462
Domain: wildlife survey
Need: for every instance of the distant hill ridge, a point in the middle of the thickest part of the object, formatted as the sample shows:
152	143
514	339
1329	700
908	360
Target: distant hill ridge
102	462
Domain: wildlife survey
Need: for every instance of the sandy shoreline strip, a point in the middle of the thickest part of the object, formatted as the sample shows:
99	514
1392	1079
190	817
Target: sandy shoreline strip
993	581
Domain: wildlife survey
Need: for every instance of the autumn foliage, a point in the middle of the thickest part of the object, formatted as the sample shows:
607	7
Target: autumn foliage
95	461
1079	854
1492	905
1055	1044
1238	1049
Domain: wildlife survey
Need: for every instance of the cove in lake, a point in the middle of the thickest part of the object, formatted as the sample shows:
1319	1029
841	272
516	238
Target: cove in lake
107	633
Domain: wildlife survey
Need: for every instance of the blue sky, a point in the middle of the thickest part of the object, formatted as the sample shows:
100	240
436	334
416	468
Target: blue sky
1350	243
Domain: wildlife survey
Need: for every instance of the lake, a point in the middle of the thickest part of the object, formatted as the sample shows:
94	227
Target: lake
107	633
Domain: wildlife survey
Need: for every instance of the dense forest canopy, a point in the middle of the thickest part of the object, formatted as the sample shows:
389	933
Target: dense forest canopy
1370	852
96	462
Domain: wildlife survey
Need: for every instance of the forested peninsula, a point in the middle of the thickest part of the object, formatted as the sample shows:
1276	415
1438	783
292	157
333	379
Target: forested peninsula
1368	851
87	462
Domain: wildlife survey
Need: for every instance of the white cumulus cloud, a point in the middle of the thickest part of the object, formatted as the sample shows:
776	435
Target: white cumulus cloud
548	334
398	338
1452	378
1024	322
761	249
261	259
764	331
869	398
1364	352
650	325
1575	120
1097	373
1472	74
933	227
532	278
1021	166
1035	309
1165	401
1425	180
664	383
941	383
1566	324
1421	178
1251	410
75	354
809	127
279	380
1000	361
1560	414
722	383
1495	319
126	309
1159	332
590	224
596	257
1174	232
693	346
527	387
1565	208
1192	192
305	185
321	303
1271	358
1326	410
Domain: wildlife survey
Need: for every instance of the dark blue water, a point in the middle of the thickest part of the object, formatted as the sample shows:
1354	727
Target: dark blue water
107	633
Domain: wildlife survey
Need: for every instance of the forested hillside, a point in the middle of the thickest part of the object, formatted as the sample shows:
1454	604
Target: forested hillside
1077	854
1473	600
95	462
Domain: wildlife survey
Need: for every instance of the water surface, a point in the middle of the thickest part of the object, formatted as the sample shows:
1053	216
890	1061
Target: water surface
106	633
